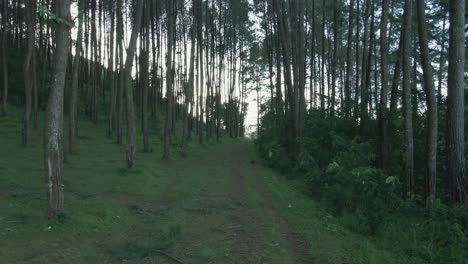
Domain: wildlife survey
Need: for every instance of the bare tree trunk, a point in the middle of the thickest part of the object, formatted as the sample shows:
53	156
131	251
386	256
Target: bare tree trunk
53	151
407	102
301	65
188	88
312	61
169	78
4	59
347	89
322	85
383	142
121	87
285	45
30	9
34	90
131	146
200	67
358	43
73	119
455	104
442	58
335	58
111	72
396	78
144	57
431	101
366	66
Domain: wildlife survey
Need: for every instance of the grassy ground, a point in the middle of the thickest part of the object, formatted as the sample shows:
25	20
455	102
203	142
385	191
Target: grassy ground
186	208
218	205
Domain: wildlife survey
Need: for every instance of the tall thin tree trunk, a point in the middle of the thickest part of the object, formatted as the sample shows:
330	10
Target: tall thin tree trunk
28	69
189	87
431	101
335	58
73	115
347	89
365	74
455	104
358	44
121	87
383	141
53	150
407	100
169	78
312	61
396	77
441	59
322	85
114	91
4	58
144	57
131	146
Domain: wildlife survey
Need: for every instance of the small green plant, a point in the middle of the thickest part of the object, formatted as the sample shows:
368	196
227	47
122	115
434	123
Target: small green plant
142	247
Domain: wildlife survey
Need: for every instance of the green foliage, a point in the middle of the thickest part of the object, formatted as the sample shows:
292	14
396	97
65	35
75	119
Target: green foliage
364	191
186	207
278	158
143	247
340	172
51	16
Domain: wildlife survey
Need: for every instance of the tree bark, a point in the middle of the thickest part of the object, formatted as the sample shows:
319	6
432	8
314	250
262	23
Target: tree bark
131	147
396	78
442	57
169	74
347	89
111	77
30	9
53	151
188	88
431	101
407	100
73	115
455	104
383	142
335	57
4	59
358	42
120	77
144	68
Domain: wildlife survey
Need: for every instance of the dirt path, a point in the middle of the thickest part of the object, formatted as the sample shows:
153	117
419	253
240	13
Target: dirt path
241	163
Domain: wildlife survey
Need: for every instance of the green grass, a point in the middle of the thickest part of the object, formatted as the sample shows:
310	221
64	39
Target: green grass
114	214
186	207
334	239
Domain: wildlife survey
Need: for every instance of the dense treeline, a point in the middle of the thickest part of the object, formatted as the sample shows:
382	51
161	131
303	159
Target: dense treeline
405	46
157	63
372	117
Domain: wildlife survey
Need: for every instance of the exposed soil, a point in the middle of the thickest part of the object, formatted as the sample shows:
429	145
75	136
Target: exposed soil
238	160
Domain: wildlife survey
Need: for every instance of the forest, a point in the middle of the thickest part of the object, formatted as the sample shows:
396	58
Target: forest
233	131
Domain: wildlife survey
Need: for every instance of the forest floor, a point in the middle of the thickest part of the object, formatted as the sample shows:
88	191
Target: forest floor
218	205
